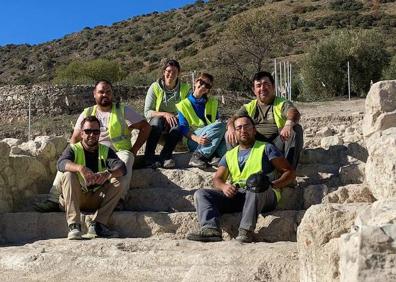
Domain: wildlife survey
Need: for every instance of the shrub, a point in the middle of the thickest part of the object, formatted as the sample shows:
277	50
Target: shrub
324	69
390	71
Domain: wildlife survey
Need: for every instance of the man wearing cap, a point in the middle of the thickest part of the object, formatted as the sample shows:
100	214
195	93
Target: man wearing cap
249	158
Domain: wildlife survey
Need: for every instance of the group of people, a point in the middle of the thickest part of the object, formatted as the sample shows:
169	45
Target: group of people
255	152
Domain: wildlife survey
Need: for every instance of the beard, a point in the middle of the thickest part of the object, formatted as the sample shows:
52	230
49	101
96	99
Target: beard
104	101
246	141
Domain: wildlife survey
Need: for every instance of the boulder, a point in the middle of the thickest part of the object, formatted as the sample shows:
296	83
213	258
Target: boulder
318	238
324	132
380	108
4	150
381	164
368	253
12	141
313	194
41	147
329	141
353	193
354	172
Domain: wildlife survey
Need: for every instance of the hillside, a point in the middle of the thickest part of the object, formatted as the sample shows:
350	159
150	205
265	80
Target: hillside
193	34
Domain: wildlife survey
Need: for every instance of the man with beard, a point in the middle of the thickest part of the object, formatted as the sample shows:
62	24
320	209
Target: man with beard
116	123
249	158
275	118
89	182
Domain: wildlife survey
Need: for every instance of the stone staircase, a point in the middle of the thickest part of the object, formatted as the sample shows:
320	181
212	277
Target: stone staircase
162	212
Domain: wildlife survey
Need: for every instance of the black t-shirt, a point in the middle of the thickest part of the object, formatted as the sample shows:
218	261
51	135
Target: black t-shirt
91	160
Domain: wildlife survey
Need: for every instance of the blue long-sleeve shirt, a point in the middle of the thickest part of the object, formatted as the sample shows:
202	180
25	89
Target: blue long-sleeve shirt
198	105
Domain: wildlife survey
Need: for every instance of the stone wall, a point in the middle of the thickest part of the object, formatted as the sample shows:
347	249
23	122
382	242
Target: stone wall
51	100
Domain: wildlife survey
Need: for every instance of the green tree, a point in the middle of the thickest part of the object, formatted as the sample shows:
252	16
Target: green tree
324	67
252	39
389	72
90	71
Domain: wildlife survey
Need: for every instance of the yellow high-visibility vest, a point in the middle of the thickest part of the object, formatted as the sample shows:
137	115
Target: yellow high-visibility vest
277	110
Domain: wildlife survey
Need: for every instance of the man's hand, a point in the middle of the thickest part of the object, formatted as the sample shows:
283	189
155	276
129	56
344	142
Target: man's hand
102	177
170	119
89	175
230	136
201	140
286	132
229	190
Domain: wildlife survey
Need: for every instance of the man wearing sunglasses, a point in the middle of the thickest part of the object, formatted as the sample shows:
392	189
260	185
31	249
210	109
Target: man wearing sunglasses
276	119
116	123
198	120
249	158
89	181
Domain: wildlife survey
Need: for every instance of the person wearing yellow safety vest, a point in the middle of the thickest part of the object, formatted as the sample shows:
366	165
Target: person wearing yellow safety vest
276	119
160	111
198	120
90	181
116	123
248	158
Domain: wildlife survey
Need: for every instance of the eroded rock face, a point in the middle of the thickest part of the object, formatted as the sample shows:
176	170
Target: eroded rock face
380	108
353	193
368	252
381	164
318	238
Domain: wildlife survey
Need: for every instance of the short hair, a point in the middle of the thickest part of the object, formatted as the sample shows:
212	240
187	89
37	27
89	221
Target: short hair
103	81
89	119
173	63
261	74
205	75
235	117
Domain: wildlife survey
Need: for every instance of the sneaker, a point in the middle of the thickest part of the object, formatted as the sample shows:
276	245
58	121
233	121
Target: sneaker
205	235
97	229
46	206
74	232
169	164
215	161
197	160
245	236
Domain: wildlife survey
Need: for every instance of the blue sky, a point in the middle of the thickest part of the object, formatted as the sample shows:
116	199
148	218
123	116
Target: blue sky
37	21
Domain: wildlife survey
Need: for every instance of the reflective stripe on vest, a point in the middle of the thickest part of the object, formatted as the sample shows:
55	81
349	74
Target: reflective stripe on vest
119	134
79	158
252	165
159	93
186	108
277	110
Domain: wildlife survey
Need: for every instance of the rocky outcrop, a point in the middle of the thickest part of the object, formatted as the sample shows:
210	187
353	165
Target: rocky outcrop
368	252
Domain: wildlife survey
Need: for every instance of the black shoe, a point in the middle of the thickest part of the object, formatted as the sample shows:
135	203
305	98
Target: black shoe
97	229
46	206
74	232
198	160
205	235
244	236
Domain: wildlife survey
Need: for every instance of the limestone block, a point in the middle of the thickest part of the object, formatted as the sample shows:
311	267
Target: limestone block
368	252
329	141
12	142
324	132
41	147
333	155
317	239
313	194
381	164
357	150
60	144
353	193
352	173
380	108
4	150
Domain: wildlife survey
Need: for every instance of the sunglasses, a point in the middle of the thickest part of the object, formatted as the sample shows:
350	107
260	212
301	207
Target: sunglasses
89	131
204	83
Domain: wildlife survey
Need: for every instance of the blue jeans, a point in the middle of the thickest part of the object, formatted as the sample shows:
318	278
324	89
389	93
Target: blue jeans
215	133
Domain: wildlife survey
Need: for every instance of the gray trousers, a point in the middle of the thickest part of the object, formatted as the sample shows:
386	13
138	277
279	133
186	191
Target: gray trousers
211	204
292	147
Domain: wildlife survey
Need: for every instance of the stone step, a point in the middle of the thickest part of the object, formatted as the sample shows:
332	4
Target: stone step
30	226
149	259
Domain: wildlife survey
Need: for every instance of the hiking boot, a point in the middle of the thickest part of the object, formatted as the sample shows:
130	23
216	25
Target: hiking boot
97	229
46	206
197	160
244	236
215	161
169	164
74	232
206	234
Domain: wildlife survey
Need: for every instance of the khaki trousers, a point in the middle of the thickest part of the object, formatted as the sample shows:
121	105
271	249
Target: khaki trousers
102	201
